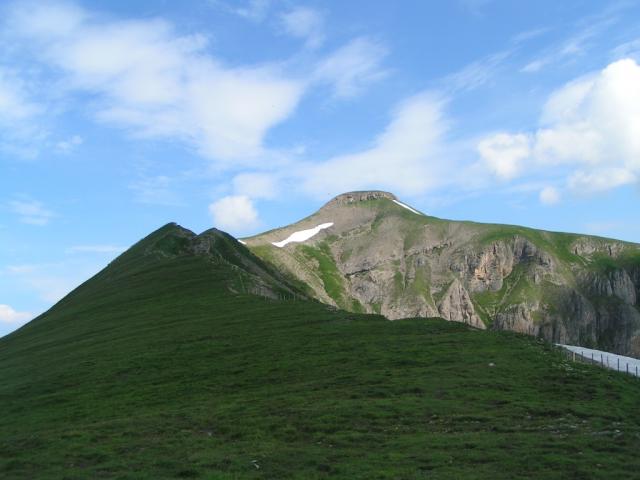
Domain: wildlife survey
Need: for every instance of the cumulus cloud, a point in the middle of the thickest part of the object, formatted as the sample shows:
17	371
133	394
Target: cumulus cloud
156	83
404	158
304	23
12	316
353	67
31	212
234	213
549	196
590	127
505	154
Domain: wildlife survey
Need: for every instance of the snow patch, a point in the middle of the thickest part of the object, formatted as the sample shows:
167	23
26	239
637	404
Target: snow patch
242	242
302	235
407	207
606	359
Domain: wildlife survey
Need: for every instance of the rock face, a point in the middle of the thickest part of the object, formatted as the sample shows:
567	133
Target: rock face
456	305
381	257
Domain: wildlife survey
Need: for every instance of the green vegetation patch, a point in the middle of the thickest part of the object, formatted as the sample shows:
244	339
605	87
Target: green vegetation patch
152	370
602	263
516	288
329	273
555	243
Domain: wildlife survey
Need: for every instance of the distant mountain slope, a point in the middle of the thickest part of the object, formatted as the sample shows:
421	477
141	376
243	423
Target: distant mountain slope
160	367
382	256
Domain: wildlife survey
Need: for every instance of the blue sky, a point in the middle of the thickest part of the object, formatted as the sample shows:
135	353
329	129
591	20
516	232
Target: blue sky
117	117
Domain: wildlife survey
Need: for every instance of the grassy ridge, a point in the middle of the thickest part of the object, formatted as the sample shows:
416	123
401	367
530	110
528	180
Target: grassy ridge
153	370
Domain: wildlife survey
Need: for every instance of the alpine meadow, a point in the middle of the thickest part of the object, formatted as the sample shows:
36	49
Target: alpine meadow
287	239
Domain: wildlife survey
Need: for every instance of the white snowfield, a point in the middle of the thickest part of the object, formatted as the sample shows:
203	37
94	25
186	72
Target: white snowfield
302	235
607	359
407	207
242	242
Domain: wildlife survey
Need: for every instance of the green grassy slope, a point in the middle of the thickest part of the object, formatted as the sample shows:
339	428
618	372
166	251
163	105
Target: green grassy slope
152	369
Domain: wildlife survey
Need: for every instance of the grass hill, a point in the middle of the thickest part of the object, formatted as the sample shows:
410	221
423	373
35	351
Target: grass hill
162	367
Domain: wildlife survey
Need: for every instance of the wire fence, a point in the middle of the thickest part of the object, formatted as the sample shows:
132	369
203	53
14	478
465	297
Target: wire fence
603	359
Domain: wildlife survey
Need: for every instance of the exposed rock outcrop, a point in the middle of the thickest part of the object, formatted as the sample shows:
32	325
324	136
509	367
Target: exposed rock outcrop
614	283
456	305
381	257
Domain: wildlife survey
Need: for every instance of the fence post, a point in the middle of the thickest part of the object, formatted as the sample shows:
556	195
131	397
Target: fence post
574	356
618	364
627	367
601	360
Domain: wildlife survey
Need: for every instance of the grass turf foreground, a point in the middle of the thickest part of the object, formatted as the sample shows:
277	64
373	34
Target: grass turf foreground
152	370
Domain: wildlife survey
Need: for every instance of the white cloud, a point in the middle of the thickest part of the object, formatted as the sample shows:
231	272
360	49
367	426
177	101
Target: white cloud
31	212
67	146
353	67
111	249
476	74
255	10
155	83
14	103
45	19
12	316
575	45
534	66
590	128
505	153
549	196
305	23
405	158
594	120
527	35
21	134
256	185
600	180
235	213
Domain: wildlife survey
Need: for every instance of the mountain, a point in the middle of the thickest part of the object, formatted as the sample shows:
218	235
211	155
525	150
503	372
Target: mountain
189	357
378	255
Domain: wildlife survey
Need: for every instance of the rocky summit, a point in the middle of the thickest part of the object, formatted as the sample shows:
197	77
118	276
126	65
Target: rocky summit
375	254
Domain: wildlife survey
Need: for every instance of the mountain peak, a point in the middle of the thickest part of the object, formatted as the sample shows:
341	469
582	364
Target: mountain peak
361	196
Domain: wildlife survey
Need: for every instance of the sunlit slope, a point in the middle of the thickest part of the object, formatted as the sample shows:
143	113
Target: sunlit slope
381	256
161	367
